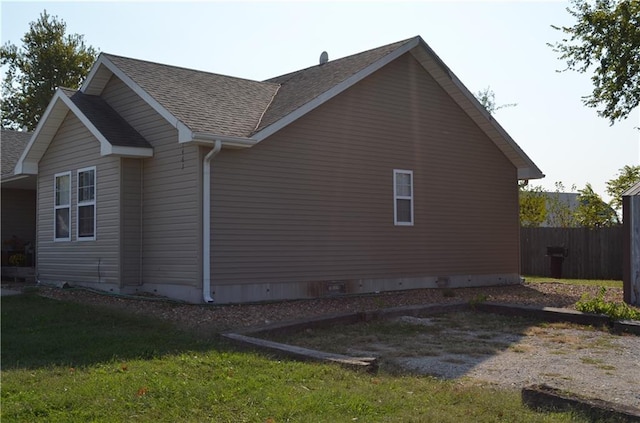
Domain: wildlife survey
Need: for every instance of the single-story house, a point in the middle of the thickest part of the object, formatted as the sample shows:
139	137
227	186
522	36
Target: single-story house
377	171
18	198
631	245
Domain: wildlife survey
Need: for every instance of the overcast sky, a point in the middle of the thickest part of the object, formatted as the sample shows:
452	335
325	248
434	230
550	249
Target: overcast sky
501	44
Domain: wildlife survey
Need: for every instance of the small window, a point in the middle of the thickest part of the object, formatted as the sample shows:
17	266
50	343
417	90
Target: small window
403	197
62	207
87	204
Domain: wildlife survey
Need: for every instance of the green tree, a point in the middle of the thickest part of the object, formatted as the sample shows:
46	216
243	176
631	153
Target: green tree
533	206
606	36
487	98
592	211
628	176
48	59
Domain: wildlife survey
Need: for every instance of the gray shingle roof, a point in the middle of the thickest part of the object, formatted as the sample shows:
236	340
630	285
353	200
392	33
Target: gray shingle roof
205	102
300	87
110	124
229	106
12	144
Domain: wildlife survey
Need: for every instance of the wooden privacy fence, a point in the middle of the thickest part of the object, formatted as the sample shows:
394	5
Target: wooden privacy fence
591	253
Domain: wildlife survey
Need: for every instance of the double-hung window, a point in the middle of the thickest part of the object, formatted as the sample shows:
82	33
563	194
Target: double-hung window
403	197
86	204
62	207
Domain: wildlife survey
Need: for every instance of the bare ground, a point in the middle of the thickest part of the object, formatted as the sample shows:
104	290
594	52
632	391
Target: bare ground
587	362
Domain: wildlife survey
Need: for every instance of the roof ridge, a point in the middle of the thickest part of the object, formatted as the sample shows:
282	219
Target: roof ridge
350	56
264	112
108	55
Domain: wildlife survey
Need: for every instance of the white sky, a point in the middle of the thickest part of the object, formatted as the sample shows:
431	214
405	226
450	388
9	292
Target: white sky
501	44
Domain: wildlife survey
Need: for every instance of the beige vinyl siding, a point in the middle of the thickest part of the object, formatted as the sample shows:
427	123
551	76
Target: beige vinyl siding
73	148
170	203
315	201
19	214
131	203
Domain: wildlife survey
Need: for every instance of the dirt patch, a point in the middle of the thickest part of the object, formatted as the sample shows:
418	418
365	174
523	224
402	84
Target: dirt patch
503	351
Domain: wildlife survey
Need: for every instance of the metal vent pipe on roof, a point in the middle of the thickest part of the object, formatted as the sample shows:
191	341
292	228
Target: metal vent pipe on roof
324	58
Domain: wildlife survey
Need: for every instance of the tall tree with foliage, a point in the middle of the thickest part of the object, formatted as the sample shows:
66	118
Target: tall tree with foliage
48	59
533	206
628	177
592	211
606	36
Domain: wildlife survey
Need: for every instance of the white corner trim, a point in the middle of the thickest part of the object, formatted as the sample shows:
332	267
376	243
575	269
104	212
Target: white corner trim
327	95
184	134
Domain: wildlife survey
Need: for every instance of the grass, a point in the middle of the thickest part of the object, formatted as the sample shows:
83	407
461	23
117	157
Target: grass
64	362
587	282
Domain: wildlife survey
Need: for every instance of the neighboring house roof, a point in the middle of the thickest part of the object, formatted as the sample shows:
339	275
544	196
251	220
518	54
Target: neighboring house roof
12	144
206	107
634	190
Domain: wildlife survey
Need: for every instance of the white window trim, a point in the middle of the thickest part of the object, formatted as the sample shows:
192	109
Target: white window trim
57	207
86	203
397	197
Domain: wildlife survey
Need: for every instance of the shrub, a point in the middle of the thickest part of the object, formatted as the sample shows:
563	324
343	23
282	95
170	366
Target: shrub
615	310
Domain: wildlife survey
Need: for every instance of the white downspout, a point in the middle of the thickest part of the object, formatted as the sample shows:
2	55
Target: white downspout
206	221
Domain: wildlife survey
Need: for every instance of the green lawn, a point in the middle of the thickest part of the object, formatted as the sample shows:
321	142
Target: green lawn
590	282
64	362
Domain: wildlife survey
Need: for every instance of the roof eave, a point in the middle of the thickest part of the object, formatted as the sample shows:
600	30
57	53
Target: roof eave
98	77
634	190
430	61
48	126
208	139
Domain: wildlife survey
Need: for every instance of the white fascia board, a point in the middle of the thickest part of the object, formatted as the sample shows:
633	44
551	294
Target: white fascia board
131	151
28	161
184	134
11	178
530	170
88	81
106	148
529	173
328	95
105	145
228	142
